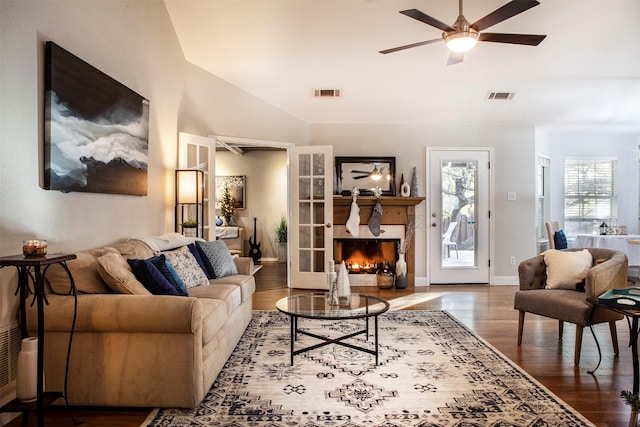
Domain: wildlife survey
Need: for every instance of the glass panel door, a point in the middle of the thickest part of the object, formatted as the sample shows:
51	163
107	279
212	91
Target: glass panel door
459	184
312	245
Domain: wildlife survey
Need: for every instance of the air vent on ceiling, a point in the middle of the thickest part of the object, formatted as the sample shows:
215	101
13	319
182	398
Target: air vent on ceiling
501	95
326	93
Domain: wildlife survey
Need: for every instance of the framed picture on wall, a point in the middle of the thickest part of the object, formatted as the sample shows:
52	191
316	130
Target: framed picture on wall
366	173
236	184
96	130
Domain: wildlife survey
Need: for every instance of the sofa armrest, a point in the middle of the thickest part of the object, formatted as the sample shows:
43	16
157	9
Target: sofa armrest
244	265
120	313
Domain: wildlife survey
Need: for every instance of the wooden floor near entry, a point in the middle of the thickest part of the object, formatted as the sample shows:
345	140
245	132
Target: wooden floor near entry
487	310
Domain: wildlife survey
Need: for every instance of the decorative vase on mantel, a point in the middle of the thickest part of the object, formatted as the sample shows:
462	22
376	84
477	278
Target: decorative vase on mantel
401	272
27	378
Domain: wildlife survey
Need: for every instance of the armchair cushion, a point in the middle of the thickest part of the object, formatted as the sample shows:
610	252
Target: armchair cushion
566	269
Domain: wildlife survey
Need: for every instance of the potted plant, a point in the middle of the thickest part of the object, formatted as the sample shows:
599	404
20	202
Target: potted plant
280	237
189	228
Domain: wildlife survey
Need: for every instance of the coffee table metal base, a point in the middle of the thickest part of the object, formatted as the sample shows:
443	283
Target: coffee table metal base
327	340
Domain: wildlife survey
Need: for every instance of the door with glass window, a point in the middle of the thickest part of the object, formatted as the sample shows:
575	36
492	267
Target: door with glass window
458	215
312	216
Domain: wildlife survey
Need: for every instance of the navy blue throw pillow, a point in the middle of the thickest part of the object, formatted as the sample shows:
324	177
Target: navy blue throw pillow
560	239
169	273
151	278
198	256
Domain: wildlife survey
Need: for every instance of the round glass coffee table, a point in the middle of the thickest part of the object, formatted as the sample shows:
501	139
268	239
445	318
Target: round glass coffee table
315	306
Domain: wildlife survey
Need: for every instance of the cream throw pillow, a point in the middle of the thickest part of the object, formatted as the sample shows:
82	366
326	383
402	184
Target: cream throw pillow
115	271
566	269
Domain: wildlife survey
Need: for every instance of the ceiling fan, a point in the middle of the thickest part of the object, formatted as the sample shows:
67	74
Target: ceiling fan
375	174
462	36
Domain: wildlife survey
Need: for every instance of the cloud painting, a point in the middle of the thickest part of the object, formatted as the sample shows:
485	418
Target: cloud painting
96	129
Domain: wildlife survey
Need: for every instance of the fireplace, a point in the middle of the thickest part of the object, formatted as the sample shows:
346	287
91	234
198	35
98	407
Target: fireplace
365	254
398	211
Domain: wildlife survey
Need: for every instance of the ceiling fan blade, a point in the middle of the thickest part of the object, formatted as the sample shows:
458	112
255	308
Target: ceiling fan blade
416	14
507	11
409	46
357	171
526	39
455	58
360	177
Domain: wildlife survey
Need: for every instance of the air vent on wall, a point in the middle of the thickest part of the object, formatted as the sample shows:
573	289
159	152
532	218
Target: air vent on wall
501	95
326	93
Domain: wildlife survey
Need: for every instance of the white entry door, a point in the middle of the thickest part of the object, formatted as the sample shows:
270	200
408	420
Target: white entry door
459	185
312	216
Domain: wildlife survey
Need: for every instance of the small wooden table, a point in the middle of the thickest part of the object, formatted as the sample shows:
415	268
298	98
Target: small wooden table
315	306
632	316
35	267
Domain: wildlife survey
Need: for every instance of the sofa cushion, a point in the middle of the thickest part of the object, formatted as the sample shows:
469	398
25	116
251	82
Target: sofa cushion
247	284
166	269
115	271
147	273
217	258
85	275
566	269
230	294
187	267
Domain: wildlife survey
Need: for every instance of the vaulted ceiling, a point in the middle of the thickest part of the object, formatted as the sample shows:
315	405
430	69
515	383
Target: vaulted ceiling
586	72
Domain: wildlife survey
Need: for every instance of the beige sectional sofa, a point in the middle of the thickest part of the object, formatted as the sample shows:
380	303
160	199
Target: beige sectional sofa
134	348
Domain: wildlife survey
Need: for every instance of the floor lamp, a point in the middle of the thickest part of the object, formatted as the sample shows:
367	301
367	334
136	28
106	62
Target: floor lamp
189	199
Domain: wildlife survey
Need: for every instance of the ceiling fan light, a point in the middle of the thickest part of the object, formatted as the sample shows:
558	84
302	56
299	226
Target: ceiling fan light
461	41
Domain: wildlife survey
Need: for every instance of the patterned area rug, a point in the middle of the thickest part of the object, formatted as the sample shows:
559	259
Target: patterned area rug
433	372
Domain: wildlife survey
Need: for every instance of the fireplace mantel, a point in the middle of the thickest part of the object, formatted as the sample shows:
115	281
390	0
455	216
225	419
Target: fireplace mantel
396	211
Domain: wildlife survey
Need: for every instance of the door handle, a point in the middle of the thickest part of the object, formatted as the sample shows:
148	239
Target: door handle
433	224
328	225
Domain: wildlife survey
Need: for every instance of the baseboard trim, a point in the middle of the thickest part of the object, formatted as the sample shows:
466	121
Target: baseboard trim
497	281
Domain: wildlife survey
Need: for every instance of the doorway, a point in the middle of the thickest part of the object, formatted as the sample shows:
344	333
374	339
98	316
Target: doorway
459	183
263	166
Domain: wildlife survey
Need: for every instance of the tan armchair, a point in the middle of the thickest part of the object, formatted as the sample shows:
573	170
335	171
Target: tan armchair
571	305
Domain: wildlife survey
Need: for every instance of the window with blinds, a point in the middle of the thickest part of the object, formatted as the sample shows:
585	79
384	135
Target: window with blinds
590	193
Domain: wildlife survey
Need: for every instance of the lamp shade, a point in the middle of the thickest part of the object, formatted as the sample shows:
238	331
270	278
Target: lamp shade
189	186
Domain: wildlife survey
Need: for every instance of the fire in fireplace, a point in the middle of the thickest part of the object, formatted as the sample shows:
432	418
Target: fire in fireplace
365	256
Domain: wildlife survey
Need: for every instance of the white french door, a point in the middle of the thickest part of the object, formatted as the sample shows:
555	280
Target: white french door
198	152
459	184
311	231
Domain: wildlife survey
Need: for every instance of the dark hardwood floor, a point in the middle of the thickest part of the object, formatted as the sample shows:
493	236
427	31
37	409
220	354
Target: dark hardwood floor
488	311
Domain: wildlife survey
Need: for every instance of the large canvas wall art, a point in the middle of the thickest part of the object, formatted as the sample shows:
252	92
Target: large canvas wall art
96	130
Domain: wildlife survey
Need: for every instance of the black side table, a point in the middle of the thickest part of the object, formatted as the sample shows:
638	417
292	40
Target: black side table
35	267
632	315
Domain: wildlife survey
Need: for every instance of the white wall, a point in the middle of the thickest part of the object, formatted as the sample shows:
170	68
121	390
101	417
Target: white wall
618	143
266	192
133	42
513	170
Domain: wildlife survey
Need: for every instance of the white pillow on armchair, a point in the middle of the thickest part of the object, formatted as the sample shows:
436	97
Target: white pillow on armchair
565	269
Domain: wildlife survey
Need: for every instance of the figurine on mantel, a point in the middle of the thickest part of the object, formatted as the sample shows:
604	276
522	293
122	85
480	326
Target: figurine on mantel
414	184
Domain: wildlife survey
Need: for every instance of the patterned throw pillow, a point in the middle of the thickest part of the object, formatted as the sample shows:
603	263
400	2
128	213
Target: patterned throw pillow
217	256
187	267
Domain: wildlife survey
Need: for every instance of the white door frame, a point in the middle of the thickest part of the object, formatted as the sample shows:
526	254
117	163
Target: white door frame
428	228
287	146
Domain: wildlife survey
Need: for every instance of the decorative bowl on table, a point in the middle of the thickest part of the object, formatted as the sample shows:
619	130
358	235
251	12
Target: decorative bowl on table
34	247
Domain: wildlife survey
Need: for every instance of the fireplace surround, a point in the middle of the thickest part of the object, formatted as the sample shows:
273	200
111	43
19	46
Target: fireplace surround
397	212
